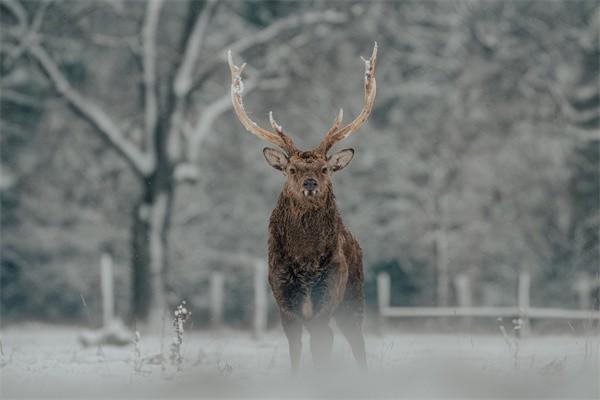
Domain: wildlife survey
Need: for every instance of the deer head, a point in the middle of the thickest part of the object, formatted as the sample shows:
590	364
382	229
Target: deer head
308	173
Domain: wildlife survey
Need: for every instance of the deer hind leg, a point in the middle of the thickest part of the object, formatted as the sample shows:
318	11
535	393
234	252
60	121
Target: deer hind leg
351	326
321	341
293	330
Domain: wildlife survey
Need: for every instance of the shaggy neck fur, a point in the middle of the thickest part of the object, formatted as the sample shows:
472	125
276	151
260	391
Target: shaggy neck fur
306	229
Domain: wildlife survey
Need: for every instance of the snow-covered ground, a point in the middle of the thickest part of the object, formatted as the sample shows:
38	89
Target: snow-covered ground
40	361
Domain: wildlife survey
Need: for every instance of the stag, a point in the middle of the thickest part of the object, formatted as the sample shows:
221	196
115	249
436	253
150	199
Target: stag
315	264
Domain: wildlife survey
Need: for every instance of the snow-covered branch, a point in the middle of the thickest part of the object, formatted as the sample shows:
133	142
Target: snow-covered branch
149	67
17	10
199	131
97	117
266	35
183	79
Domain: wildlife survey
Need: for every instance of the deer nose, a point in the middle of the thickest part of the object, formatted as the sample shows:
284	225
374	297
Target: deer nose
310	184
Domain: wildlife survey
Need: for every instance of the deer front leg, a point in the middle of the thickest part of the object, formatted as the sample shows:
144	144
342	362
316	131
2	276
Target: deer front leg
321	341
293	330
349	316
288	295
325	295
351	327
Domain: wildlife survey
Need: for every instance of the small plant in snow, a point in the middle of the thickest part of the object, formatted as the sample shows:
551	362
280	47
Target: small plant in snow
182	315
225	369
554	367
513	341
137	354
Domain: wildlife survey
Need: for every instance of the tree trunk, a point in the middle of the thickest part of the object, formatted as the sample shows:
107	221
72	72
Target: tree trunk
149	246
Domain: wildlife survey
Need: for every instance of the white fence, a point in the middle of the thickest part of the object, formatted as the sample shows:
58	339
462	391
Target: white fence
216	299
522	309
260	304
216	293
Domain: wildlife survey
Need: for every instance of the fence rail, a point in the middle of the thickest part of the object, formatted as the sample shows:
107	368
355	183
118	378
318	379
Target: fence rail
583	288
504	312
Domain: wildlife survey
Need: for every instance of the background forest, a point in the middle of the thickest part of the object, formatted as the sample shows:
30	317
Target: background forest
481	156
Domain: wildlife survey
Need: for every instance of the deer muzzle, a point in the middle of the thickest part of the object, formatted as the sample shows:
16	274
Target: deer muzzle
310	184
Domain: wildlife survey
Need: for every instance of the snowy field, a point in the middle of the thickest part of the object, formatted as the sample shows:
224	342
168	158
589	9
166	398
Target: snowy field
40	361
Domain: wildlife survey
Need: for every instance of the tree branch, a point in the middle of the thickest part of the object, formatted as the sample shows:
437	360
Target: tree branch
183	86
205	121
38	18
210	113
187	171
17	11
103	124
266	35
108	130
183	79
21	34
191	46
149	69
17	97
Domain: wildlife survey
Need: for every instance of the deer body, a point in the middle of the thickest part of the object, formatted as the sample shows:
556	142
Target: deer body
315	264
311	256
315	273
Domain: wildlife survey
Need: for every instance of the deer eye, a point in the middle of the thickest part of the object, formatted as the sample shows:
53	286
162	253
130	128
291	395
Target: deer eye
292	170
324	170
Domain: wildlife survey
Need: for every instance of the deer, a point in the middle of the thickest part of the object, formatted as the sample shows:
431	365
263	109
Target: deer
314	263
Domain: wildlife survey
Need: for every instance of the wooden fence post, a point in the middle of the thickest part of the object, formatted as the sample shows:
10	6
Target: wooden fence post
217	286
464	295
583	288
523	301
260	298
384	287
107	289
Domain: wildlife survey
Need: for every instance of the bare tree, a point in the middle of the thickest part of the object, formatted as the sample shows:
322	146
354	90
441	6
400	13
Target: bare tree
172	131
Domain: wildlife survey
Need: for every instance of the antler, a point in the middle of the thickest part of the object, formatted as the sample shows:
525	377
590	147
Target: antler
335	134
278	137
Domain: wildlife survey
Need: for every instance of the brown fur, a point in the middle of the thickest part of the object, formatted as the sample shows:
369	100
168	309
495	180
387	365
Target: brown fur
315	264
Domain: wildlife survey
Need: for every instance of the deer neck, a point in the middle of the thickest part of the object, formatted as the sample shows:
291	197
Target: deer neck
303	211
306	231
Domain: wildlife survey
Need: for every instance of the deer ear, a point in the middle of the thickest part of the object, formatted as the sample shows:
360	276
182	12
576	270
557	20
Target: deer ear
340	159
275	158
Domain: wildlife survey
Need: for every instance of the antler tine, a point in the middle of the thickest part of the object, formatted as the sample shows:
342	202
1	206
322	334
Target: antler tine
334	134
276	127
336	123
278	138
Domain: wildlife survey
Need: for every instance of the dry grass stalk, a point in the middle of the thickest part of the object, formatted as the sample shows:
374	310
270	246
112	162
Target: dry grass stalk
182	315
